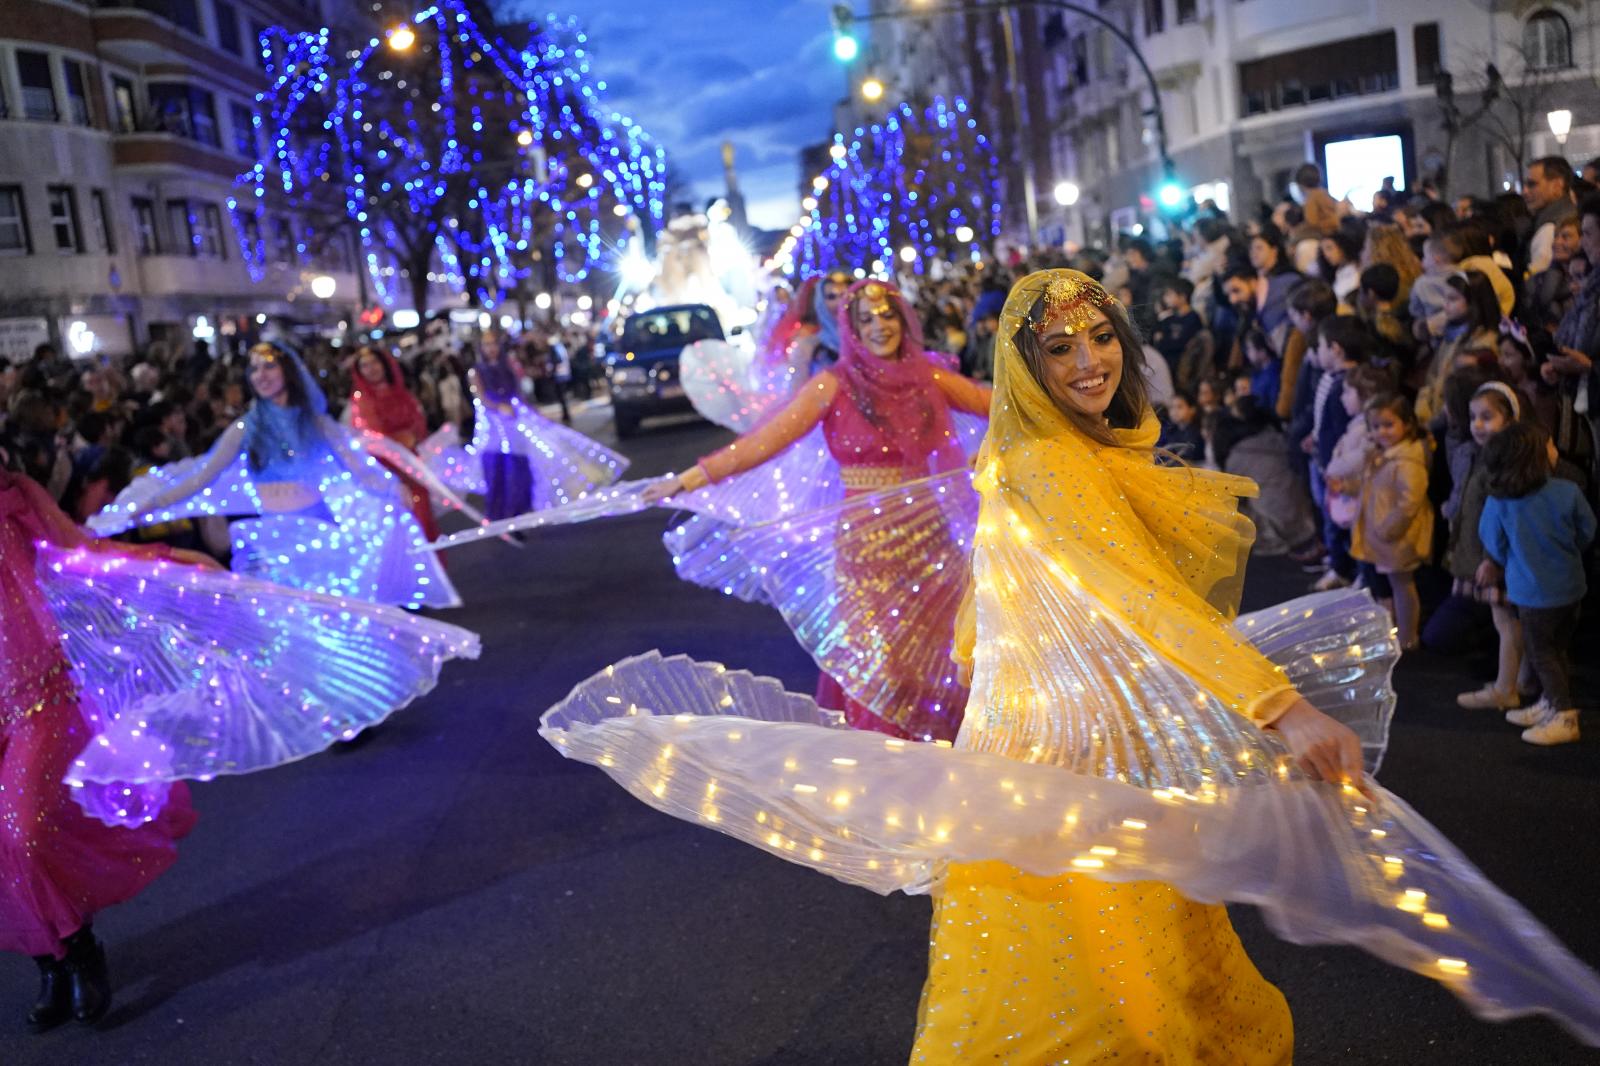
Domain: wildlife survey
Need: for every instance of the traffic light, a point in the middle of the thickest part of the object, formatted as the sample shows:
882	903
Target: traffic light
1170	195
845	45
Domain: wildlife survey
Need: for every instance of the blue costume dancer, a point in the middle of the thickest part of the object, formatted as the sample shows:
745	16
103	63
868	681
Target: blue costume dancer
328	517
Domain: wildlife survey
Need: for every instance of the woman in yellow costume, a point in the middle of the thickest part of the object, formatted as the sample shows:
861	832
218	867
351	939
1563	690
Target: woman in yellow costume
1130	759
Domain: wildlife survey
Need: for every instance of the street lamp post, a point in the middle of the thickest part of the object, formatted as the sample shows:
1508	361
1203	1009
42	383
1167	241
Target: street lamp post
1005	7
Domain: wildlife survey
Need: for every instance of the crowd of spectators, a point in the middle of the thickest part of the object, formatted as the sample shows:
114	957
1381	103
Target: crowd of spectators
1358	366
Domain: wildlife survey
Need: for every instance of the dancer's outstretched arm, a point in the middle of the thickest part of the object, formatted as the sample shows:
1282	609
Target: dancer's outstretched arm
760	444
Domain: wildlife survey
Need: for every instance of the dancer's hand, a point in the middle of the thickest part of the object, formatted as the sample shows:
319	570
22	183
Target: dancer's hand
1329	749
663	489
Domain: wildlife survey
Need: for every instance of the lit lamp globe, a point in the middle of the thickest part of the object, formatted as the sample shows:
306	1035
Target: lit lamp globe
872	90
964	234
323	287
542	301
1066	193
402	38
1560	124
908	254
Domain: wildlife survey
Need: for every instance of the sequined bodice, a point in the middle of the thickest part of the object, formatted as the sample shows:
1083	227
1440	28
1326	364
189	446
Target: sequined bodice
306	464
32	664
853	440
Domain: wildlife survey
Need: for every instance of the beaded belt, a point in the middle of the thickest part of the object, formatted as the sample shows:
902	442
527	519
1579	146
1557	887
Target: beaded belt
869	478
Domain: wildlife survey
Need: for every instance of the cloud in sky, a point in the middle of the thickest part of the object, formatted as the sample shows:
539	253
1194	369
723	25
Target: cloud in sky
695	73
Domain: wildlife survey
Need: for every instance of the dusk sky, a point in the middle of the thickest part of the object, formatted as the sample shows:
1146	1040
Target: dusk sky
697	72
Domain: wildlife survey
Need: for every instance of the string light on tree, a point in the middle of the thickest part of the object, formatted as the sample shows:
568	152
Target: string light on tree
456	154
922	185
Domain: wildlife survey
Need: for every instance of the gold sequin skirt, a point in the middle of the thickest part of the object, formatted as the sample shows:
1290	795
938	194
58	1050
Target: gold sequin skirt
1032	970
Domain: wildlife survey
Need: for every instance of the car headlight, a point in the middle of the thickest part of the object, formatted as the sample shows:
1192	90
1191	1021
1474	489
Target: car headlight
630	375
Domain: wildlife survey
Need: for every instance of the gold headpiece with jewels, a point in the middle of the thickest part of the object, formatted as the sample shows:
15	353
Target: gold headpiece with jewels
1074	297
837	277
876	296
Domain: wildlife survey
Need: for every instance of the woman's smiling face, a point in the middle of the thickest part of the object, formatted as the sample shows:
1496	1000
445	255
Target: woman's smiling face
1082	369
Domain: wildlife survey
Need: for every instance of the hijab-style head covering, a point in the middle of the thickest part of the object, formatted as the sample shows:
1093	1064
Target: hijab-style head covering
828	324
388	406
898	396
1161	546
273	429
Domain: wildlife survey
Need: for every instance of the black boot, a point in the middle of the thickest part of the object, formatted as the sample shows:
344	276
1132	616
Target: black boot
55	996
86	972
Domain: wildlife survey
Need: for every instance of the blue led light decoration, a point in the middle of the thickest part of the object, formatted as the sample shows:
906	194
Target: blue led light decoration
456	158
915	180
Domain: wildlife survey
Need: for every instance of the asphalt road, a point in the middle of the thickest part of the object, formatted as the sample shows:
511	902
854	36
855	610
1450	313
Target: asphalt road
451	891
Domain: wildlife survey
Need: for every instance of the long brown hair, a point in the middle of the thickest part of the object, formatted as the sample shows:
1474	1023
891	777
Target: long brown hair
1129	403
1387	244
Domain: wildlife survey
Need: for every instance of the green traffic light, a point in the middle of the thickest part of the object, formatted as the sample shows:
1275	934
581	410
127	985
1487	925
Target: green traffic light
1170	194
846	48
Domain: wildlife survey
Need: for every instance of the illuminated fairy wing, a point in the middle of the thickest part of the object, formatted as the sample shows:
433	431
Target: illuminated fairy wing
733	387
566	464
191	673
871	588
451	461
803	477
1184	792
217	483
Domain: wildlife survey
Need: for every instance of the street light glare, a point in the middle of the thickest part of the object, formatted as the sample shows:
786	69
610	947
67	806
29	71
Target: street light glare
525	138
323	287
838	152
872	89
1066	194
908	254
402	38
1560	124
846	48
964	234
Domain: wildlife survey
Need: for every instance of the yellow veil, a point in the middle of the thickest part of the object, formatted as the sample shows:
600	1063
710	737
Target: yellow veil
1158	544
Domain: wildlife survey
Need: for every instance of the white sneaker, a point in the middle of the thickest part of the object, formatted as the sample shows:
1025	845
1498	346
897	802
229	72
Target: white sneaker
1559	728
1530	716
1329	581
1487	699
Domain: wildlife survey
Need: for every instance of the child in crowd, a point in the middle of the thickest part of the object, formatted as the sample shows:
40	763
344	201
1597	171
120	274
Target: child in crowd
1519	363
1472	322
1393	531
1266	369
1178	323
1535	529
1208	396
1181	434
1342	345
1377	305
1348	463
1494	406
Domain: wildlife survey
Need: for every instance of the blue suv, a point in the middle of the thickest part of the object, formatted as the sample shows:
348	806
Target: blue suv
642	364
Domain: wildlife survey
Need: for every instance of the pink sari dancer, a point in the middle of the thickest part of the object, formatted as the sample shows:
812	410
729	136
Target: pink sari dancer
58	866
885	413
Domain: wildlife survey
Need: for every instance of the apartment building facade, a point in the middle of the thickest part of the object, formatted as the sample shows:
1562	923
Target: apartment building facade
1250	89
122	129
